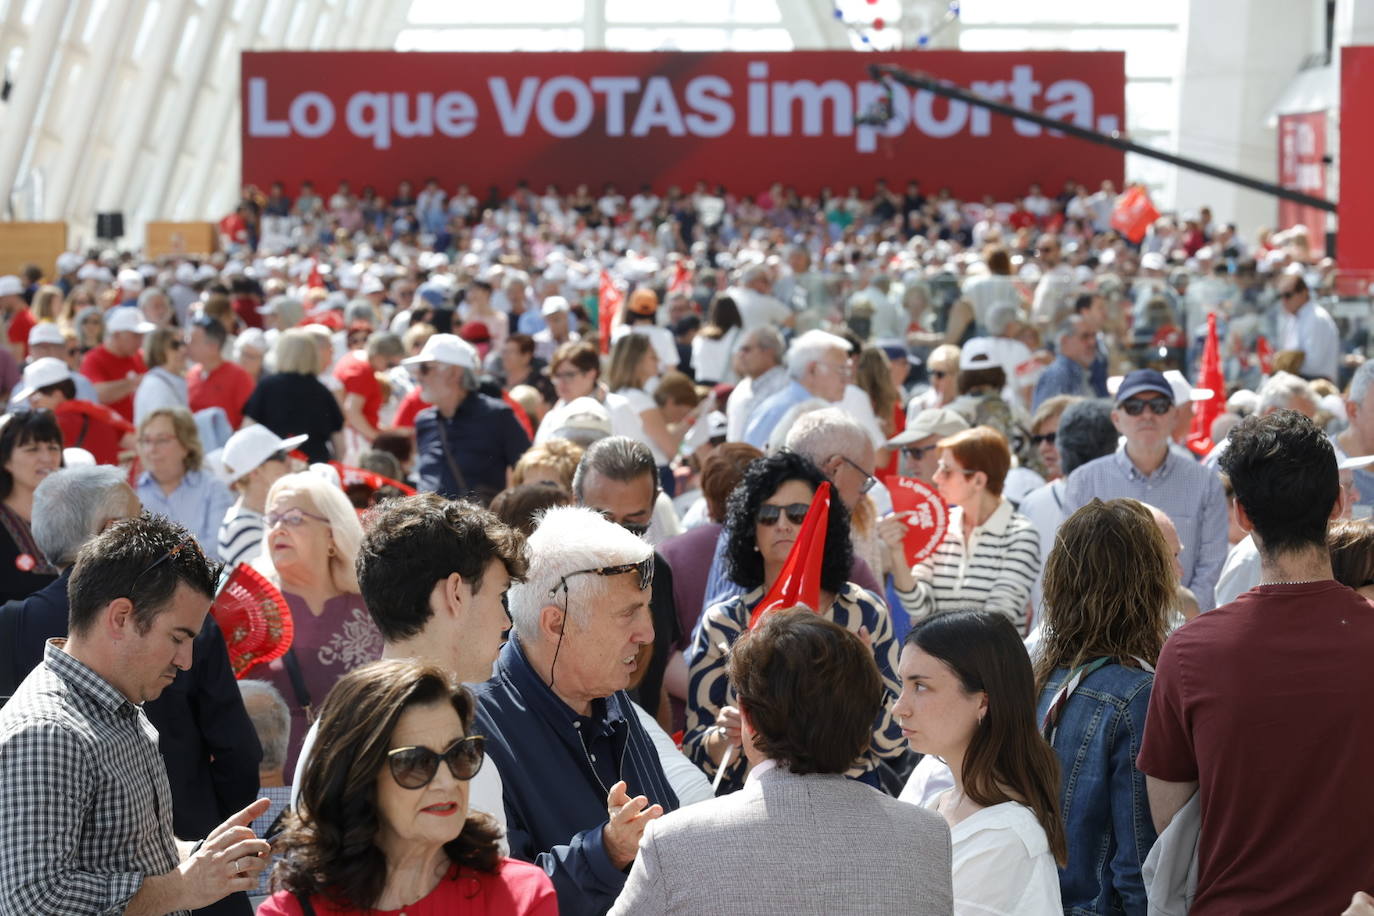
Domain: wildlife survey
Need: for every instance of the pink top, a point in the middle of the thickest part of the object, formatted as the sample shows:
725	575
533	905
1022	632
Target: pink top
517	889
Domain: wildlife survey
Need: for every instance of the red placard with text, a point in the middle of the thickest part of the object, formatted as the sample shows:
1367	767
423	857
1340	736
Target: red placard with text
806	118
1302	167
925	514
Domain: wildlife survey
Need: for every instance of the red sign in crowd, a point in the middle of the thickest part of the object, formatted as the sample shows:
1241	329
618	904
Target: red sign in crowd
807	118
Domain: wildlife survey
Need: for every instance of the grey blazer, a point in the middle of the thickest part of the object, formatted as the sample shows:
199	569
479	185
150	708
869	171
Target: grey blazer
788	845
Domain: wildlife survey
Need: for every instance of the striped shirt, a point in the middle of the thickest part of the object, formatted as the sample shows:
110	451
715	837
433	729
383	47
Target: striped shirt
709	687
86	812
240	535
993	571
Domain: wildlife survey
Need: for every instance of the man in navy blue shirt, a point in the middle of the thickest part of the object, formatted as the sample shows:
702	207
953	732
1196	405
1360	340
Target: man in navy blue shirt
467	442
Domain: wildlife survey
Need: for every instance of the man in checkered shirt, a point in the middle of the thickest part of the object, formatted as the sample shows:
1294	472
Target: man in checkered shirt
85	807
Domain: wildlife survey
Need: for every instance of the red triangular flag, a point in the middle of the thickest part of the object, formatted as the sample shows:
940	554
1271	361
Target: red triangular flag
1265	354
609	300
1200	437
682	278
800	579
314	280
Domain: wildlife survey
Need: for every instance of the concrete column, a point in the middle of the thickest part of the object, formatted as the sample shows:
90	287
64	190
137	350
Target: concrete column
1239	56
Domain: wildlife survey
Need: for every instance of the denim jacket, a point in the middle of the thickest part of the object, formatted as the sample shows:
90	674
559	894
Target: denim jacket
1102	798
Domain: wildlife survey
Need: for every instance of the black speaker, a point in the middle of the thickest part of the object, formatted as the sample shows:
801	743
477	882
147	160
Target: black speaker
109	225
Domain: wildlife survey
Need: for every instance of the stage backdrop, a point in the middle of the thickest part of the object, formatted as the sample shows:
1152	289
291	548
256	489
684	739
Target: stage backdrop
807	118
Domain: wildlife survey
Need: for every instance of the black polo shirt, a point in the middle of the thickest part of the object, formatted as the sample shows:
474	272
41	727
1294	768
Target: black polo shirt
484	439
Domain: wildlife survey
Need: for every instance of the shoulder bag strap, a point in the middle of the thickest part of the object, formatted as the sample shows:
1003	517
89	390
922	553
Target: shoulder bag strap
293	671
306	907
85	426
448	453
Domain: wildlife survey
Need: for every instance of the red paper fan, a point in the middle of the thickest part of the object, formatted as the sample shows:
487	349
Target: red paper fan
254	617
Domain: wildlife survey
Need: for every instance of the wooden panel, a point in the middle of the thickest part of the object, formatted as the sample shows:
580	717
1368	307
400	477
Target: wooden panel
179	239
22	244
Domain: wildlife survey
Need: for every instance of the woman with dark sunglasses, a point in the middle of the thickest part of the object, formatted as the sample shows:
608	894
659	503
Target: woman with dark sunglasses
384	824
763	518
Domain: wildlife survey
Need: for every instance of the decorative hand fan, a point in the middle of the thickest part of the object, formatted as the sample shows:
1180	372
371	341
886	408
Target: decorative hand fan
254	617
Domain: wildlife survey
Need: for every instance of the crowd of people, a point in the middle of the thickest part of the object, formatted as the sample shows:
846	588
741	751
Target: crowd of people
523	472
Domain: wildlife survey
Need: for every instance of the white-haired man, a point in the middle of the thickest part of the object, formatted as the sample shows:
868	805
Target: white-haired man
581	776
758	361
818	367
753	295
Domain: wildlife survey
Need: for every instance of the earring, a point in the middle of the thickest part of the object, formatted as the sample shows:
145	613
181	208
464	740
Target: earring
331	553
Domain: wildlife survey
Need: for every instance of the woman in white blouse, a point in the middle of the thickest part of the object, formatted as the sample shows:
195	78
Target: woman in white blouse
633	374
713	349
164	386
990	555
968	697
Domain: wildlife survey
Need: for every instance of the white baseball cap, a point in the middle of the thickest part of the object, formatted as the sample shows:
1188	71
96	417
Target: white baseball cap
555	304
977	354
68	262
130	280
128	318
449	349
1183	390
248	448
40	374
370	284
45	332
11	286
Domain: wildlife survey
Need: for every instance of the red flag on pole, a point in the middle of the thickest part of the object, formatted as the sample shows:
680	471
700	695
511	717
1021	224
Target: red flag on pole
1134	213
609	300
800	579
314	280
1204	412
1265	353
682	278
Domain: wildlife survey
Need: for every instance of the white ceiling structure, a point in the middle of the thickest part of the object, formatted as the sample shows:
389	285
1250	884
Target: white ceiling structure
133	105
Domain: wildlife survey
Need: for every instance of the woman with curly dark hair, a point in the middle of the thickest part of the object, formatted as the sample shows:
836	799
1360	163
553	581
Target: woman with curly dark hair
384	824
763	517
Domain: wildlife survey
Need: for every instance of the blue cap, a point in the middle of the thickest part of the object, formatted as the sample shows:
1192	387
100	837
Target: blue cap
1142	380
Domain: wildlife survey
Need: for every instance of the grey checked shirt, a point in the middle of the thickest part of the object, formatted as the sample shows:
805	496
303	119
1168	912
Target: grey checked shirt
85	808
1186	491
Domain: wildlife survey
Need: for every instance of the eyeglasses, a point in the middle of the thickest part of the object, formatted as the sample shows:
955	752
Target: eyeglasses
188	542
567	375
938	374
415	767
918	452
869	479
644	567
154	441
291	518
845	371
1158	406
769	513
1290	294
943	469
1043	439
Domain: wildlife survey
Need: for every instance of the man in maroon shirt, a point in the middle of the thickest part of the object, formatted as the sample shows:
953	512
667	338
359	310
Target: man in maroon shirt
1259	706
213	381
116	367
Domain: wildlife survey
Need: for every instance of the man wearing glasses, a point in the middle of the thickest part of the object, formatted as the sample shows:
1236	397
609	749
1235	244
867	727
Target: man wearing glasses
581	776
86	817
1147	469
917	443
1306	326
818	367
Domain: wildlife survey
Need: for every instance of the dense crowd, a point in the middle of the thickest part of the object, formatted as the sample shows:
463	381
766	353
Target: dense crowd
563	449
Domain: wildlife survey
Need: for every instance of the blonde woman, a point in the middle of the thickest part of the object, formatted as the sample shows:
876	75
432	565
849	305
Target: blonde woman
292	401
309	549
173	483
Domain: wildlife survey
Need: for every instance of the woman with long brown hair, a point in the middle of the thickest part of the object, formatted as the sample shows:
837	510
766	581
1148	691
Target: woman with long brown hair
968	697
1109	587
384	822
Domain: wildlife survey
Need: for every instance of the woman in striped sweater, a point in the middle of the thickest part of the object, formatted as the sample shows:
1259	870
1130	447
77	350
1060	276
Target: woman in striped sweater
990	555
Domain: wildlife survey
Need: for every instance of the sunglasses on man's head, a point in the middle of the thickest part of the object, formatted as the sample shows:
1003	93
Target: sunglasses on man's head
645	569
1158	406
769	513
415	767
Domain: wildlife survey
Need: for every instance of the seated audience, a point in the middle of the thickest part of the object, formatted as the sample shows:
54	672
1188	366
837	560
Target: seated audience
807	689
385	821
968	697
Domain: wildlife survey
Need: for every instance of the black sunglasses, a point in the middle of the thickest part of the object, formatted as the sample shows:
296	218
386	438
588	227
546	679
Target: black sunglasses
414	767
938	373
918	452
1157	406
644	567
1049	437
769	513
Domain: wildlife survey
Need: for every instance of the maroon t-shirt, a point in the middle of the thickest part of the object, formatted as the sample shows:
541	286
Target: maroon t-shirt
1265	703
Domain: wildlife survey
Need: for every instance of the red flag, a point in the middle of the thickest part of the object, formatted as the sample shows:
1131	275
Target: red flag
682	278
800	579
1204	412
609	300
314	280
1134	213
1265	354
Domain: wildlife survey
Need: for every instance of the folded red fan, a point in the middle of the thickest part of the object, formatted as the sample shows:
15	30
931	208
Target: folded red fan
252	614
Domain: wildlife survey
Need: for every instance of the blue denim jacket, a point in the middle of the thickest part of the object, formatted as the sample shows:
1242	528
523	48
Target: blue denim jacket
1102	798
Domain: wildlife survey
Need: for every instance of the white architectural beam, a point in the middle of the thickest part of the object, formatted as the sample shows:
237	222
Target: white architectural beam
35	69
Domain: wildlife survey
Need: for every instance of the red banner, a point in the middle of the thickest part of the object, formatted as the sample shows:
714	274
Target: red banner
1355	246
807	118
1302	148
